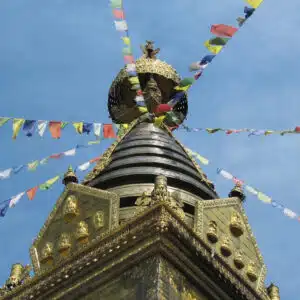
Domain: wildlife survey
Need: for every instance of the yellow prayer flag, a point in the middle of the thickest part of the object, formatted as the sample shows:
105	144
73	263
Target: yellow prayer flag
17	124
126	40
143	109
213	48
264	198
202	159
78	127
134	80
182	88
267	132
158	121
255	3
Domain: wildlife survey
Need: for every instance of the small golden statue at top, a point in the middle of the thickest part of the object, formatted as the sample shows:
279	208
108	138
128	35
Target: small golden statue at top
47	254
70	209
149	51
98	220
236	224
212	232
82	232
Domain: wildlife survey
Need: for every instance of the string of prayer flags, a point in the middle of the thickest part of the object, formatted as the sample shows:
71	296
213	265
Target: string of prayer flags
122	26
12	201
260	195
32	166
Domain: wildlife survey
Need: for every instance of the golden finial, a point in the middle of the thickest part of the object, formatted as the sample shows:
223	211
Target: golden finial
70	176
238	192
148	50
273	292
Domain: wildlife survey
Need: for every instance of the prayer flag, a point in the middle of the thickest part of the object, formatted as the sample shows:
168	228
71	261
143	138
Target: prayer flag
47	185
207	59
121	25
223	30
213	130
182	88
212	48
84	166
55	129
16	170
31	192
251	190
267	132
289	213
131	68
237	181
202	159
28	127
197	75
134	80
33	165
71	152
264	198
97	129
255	3
158	121
136	87
143	109
225	174
5	174
241	21
256	132
116	3
176	98
161	108
139	99
297	129
44	161
132	74
119	13
42	125
64	124
94	142
3	209
3	121
14	200
17	124
108	131
195	66
128	59
87	127
78	127
186	82
95	159
126	40
248	12
141	103
127	51
171	116
219	41
56	155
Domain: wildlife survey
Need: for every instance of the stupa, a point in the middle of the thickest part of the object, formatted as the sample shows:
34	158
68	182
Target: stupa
146	223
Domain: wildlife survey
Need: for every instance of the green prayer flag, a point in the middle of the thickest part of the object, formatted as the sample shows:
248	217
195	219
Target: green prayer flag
44	161
116	3
33	165
264	198
94	142
64	124
186	81
47	185
219	41
126	51
213	130
3	121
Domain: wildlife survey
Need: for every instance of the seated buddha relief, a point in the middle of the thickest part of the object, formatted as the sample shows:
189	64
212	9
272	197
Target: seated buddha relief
82	232
70	209
98	220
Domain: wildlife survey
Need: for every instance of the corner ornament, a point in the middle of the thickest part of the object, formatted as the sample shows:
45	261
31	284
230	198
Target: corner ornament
160	193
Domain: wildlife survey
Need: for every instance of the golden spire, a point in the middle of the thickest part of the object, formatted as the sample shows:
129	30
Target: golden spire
238	192
70	176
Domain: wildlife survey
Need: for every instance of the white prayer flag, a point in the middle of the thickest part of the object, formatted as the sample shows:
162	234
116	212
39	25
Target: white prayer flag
130	68
289	213
121	25
251	190
97	129
226	174
5	174
84	166
42	125
71	152
14	200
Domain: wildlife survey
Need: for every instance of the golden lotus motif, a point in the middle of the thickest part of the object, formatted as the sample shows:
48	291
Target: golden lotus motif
70	209
236	225
251	271
98	220
238	260
64	244
226	247
212	232
82	232
47	254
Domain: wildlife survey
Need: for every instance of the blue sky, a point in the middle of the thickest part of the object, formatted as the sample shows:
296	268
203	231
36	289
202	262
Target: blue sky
58	58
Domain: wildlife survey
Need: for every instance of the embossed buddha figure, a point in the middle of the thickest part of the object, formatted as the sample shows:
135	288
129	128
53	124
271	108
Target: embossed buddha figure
236	224
70	209
212	232
47	253
160	192
82	232
252	271
98	220
226	246
64	244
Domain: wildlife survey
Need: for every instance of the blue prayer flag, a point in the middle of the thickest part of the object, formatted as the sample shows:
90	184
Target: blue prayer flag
28	127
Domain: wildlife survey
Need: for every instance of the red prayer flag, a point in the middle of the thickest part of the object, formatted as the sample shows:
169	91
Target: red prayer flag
108	131
55	129
95	159
139	92
297	129
238	181
161	108
31	192
222	30
128	59
229	131
58	155
119	13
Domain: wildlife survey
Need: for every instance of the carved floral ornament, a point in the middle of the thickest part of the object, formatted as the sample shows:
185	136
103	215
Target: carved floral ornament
70	209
